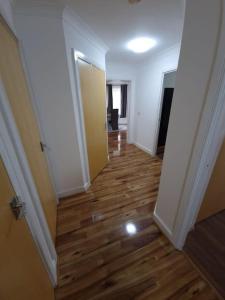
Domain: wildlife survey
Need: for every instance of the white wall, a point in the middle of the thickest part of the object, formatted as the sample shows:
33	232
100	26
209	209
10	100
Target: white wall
117	72
148	97
120	71
80	37
181	158
44	52
47	43
7	13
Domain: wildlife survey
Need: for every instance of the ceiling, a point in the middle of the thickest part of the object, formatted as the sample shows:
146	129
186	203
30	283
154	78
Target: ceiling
116	22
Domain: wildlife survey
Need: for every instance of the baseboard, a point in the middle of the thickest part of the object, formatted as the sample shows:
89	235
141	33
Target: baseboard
73	191
53	272
143	148
87	185
163	226
130	142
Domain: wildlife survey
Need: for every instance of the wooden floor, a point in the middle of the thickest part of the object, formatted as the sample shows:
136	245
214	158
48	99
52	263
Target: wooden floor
206	247
99	259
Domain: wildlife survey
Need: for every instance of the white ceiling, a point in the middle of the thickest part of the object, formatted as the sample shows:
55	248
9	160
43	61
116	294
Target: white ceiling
116	22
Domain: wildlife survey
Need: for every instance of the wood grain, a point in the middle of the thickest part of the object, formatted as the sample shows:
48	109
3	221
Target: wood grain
22	272
93	85
98	259
14	81
205	245
213	201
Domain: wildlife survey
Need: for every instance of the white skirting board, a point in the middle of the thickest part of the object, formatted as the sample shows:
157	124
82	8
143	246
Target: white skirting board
143	148
73	191
163	227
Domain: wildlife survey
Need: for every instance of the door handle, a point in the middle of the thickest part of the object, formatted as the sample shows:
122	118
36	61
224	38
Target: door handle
18	208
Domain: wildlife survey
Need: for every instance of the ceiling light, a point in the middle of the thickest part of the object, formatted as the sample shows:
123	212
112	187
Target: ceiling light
141	45
131	228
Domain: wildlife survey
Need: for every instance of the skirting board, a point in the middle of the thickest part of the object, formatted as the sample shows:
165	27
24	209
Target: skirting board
143	148
163	227
74	191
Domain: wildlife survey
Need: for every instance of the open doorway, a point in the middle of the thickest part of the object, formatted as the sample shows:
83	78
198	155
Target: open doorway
167	97
117	105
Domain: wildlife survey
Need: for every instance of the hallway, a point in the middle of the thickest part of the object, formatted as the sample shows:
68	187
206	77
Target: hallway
108	244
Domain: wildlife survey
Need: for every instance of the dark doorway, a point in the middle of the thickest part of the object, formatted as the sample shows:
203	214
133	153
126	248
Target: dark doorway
164	122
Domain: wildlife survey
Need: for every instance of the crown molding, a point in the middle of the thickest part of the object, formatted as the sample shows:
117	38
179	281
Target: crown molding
83	29
152	57
39	8
61	11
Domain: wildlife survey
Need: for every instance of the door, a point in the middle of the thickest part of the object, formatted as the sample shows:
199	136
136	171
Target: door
93	87
22	274
214	199
165	116
14	81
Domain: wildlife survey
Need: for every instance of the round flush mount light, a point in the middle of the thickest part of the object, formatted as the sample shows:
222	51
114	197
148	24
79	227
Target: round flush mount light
141	45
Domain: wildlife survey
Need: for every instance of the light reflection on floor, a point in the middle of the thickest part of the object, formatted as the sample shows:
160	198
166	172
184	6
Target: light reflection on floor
117	152
131	228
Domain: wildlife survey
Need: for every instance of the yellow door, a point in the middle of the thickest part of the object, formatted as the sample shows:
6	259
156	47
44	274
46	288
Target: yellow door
22	274
93	94
14	81
214	199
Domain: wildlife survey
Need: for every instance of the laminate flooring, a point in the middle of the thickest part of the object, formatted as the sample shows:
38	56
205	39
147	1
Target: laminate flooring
108	244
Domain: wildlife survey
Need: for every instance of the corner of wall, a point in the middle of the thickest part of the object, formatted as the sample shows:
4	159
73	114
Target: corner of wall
83	30
163	227
6	10
143	148
73	191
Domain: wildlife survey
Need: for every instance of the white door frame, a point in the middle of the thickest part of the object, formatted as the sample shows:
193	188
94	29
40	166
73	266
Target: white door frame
160	109
208	140
187	217
129	90
131	104
15	161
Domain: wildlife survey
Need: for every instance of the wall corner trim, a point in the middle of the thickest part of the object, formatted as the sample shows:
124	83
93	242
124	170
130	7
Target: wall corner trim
36	8
70	16
73	191
143	148
163	227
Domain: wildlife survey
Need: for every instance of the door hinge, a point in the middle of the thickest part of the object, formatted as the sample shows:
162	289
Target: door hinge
18	207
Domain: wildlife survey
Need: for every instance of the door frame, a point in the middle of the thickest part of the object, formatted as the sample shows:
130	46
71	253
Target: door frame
160	109
79	115
129	93
187	216
208	142
14	158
